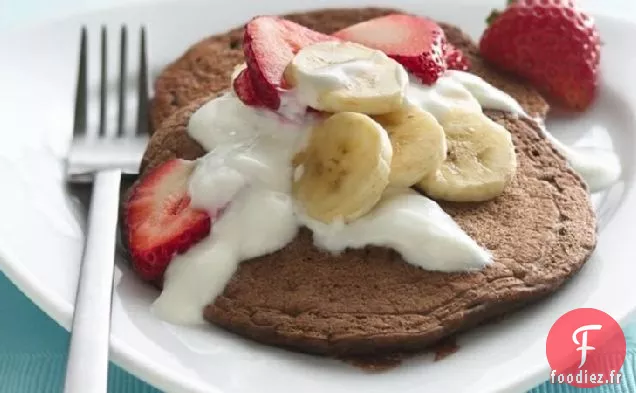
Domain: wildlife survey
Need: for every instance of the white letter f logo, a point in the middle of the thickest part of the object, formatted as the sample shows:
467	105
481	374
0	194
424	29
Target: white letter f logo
584	347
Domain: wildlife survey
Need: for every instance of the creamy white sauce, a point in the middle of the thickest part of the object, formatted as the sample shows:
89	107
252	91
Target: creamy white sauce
344	73
409	223
442	97
336	76
248	168
600	168
486	94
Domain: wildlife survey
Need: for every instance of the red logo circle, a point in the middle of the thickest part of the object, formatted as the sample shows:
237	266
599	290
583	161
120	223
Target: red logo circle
585	348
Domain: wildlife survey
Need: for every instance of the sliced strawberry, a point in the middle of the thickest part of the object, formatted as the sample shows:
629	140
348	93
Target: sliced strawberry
159	220
244	89
269	44
415	42
455	59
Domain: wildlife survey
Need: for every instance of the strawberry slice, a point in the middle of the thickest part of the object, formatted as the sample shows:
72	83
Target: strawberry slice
269	44
159	220
413	41
455	59
244	89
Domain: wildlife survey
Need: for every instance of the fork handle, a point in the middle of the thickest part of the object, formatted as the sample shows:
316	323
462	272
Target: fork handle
87	365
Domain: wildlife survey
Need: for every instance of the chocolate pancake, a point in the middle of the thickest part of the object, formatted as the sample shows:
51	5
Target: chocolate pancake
369	301
206	67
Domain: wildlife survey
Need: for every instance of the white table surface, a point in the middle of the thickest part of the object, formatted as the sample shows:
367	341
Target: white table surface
17	13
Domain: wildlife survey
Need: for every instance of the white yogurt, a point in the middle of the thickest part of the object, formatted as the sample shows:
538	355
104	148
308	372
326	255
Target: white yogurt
350	66
411	224
459	90
249	170
600	168
488	96
442	97
338	75
249	167
248	164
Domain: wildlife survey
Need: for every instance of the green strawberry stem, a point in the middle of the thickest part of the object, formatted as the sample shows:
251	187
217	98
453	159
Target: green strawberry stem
494	14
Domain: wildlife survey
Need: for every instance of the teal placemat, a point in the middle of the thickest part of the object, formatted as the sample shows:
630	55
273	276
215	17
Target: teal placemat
33	354
33	350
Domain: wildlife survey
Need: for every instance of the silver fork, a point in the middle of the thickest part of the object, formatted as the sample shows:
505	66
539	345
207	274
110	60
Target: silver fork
101	158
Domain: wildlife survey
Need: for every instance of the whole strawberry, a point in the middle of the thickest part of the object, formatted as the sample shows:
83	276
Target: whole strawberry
552	44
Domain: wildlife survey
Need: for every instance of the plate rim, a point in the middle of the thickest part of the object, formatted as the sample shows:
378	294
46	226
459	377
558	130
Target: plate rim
121	354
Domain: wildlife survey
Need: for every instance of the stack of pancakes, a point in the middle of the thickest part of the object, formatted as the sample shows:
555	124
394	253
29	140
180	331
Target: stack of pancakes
369	301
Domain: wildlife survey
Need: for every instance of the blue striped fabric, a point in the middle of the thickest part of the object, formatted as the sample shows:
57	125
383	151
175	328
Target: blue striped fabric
33	350
33	354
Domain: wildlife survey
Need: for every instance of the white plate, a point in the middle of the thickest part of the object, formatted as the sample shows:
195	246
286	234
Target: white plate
40	236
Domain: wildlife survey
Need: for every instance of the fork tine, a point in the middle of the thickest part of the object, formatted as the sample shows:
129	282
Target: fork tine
123	48
103	87
142	107
79	120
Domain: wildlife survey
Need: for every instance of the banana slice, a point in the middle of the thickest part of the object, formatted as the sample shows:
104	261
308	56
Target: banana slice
480	162
418	142
347	77
237	70
344	169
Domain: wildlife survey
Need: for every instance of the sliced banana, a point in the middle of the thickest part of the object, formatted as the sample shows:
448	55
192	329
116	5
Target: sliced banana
344	169
480	162
237	70
347	77
418	142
